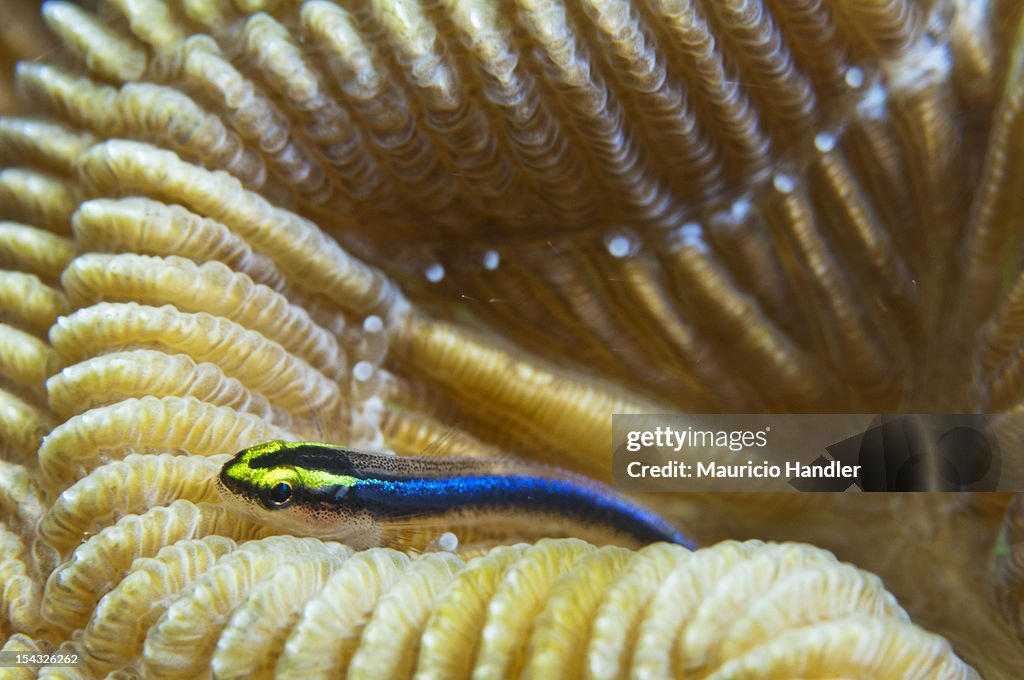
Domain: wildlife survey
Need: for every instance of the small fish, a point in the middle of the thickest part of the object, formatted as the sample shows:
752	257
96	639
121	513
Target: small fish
369	500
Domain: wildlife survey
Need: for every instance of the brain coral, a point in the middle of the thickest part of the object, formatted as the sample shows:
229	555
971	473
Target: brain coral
398	222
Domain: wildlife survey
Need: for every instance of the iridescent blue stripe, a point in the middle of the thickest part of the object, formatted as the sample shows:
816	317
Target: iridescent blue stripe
588	502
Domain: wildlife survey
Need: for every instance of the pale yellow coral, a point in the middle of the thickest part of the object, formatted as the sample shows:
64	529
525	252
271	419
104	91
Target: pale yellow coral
38	198
184	640
263	607
19	591
110	378
183	424
96	566
123	487
326	636
19	642
26	360
29	303
118	627
24	425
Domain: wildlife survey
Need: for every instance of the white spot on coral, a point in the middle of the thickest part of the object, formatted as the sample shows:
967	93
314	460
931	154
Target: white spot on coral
691	235
784	184
872	104
824	142
620	244
434	272
740	210
362	371
854	78
448	541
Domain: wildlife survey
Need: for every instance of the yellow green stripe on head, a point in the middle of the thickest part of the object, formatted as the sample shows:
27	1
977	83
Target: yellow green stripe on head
307	464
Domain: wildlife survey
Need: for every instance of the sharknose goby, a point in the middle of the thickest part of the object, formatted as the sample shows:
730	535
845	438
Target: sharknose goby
370	500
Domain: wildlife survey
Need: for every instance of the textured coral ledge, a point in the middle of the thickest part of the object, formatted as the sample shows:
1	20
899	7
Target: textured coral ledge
390	223
298	608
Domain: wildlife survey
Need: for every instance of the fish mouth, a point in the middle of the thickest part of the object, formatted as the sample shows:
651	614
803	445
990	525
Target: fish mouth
234	495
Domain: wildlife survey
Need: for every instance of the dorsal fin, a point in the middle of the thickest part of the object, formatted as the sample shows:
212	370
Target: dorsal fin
436	448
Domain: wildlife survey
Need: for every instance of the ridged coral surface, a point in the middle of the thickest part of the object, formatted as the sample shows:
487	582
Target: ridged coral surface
205	606
491	225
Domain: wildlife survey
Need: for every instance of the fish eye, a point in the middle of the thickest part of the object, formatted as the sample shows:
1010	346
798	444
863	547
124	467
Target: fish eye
279	495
